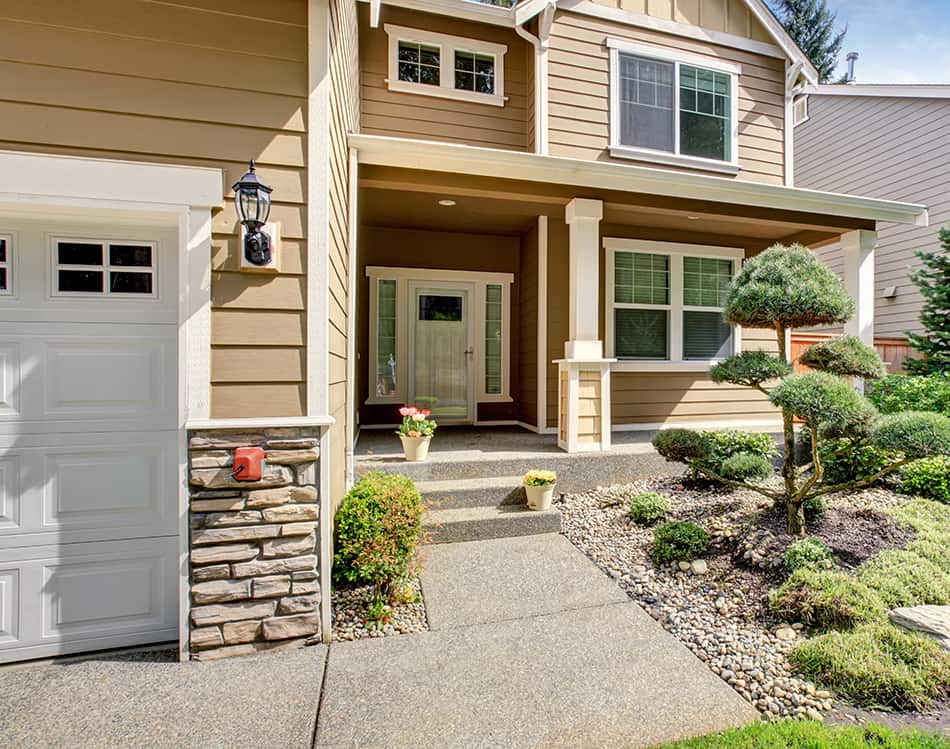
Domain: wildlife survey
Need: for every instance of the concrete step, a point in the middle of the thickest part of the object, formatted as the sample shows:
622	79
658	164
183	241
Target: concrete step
479	523
482	492
577	472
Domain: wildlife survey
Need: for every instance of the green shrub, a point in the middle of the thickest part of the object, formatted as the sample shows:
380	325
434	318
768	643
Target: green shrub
812	734
845	460
823	401
681	445
378	530
649	507
899	393
826	599
678	540
917	434
902	578
928	477
744	466
877	665
845	356
808	553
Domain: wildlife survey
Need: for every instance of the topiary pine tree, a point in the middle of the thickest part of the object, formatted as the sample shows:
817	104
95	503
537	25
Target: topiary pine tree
812	26
933	280
781	289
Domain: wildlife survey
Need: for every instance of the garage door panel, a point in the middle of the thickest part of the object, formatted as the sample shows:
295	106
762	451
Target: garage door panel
97	487
80	596
10	384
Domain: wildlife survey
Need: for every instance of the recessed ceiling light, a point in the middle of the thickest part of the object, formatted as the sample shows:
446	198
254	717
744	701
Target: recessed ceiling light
693	218
447	202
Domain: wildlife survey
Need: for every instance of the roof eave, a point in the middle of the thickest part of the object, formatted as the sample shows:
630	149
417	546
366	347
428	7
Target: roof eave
489	162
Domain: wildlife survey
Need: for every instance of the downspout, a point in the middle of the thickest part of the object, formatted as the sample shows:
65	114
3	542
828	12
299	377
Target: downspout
351	242
540	44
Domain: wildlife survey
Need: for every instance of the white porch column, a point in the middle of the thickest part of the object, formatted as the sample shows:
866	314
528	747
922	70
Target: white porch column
858	247
583	217
583	373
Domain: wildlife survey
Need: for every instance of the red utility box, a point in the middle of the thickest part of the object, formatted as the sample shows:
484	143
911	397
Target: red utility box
248	463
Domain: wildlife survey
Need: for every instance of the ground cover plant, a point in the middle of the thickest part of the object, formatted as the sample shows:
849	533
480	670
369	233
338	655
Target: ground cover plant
808	553
677	541
781	289
929	477
648	508
799	734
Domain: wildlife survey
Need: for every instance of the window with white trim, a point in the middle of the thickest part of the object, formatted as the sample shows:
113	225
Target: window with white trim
87	267
6	263
673	107
434	64
666	301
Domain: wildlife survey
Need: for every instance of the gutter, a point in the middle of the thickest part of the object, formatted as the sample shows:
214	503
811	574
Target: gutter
517	165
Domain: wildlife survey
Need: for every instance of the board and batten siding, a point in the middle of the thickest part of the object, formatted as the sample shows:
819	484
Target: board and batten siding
407	115
727	16
202	83
882	147
344	117
579	91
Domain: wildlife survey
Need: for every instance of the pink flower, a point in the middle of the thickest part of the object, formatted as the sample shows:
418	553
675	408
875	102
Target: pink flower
426	412
407	411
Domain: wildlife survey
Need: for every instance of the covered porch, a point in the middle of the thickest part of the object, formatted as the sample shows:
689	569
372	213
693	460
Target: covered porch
506	289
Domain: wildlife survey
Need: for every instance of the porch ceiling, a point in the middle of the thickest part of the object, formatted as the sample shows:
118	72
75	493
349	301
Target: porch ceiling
409	198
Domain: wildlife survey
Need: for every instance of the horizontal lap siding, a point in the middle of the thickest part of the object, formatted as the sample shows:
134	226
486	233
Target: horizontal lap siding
579	91
893	148
202	83
344	119
407	115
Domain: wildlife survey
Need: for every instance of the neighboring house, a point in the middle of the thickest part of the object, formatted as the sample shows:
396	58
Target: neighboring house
519	215
888	141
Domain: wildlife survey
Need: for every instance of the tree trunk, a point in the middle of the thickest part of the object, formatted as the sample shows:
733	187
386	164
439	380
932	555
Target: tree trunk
796	518
788	424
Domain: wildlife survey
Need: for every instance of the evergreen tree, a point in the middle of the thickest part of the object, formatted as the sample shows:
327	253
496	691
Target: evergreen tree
933	280
812	26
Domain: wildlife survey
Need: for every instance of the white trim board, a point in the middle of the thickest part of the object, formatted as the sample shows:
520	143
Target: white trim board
897	90
491	162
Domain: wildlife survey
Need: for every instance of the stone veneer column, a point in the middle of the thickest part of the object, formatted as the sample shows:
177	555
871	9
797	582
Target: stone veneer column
253	583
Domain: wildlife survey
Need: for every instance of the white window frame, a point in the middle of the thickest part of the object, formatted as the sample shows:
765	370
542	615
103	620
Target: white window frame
676	252
448	45
800	110
404	277
678	58
106	268
9	264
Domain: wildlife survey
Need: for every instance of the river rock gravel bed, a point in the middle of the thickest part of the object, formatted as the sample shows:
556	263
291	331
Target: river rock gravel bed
718	610
351	611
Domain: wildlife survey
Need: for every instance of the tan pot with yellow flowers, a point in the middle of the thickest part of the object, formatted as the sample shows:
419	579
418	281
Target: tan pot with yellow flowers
539	486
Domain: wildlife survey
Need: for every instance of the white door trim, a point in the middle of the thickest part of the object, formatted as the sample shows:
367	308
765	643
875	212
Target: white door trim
180	196
468	292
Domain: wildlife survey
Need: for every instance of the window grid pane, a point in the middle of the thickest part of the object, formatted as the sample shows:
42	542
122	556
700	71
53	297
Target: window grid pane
641	278
705	113
706	336
646	103
386	339
493	342
474	72
706	281
641	333
419	63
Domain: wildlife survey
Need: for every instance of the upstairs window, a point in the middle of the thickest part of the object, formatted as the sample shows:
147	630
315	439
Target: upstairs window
673	108
433	64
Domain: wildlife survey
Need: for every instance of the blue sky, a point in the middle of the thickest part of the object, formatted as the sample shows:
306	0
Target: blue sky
900	41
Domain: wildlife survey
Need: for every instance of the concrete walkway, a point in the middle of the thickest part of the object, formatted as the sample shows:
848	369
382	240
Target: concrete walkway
530	646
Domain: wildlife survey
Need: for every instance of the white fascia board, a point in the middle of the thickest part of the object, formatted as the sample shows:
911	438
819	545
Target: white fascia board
528	9
467	9
490	162
765	16
894	90
81	178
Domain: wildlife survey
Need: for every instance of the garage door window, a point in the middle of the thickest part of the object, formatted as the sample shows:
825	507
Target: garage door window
5	260
103	268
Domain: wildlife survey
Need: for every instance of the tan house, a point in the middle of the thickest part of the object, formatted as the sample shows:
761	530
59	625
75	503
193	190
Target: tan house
888	141
520	215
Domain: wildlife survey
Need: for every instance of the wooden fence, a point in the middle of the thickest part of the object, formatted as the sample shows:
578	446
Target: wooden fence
892	350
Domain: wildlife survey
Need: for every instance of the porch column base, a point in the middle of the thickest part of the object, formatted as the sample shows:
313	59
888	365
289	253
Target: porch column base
583	415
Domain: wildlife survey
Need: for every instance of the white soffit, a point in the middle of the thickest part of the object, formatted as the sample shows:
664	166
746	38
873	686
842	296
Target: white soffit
489	162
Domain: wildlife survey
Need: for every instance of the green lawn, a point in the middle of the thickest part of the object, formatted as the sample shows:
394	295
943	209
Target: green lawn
814	735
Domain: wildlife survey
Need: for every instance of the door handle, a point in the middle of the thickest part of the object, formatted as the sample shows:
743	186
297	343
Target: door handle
469	351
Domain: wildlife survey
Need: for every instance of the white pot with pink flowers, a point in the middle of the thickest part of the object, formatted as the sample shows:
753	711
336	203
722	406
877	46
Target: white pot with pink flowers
415	432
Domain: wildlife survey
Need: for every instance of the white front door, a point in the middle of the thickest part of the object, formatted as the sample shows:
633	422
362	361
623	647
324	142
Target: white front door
89	454
441	356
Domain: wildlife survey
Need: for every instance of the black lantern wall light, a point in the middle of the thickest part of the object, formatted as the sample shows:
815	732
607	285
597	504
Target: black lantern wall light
252	198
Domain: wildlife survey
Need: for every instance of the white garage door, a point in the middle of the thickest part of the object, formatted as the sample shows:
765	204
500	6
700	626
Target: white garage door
88	437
